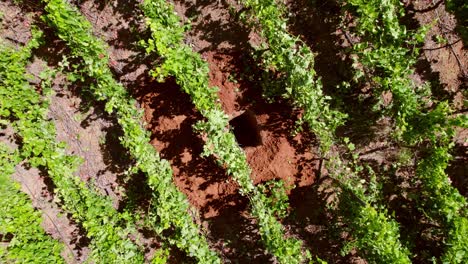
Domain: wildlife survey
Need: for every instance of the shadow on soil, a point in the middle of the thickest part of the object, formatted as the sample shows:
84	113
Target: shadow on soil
311	223
167	101
216	27
236	234
281	121
230	232
458	169
318	24
423	66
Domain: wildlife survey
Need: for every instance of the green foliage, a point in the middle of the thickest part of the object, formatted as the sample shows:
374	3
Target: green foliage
291	58
375	234
286	250
379	18
22	104
29	243
170	208
160	256
223	145
458	244
378	236
443	200
191	73
277	197
384	52
444	204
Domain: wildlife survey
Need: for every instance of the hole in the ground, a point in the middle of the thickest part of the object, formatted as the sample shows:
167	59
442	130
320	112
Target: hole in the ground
246	129
6	237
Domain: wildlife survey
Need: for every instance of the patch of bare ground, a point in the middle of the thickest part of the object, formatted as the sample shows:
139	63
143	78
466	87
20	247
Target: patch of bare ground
233	71
444	59
170	115
226	45
15	26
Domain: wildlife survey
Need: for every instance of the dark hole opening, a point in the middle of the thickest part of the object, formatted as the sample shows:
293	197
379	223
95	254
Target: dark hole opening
246	129
6	237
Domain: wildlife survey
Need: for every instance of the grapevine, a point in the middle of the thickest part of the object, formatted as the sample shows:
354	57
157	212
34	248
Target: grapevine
383	49
21	103
170	206
29	242
191	74
377	235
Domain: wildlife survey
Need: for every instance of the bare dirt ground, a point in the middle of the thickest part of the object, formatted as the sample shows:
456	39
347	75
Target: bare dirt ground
170	116
227	44
444	54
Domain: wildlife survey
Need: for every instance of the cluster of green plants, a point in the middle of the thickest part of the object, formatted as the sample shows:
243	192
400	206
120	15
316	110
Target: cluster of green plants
439	200
375	233
289	68
443	203
387	52
19	219
378	236
170	208
276	191
27	113
191	73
